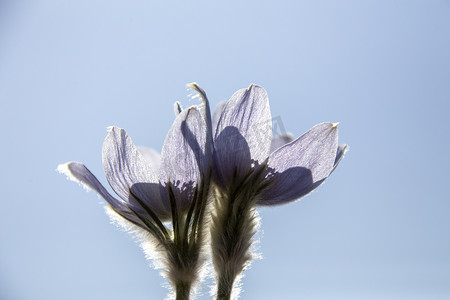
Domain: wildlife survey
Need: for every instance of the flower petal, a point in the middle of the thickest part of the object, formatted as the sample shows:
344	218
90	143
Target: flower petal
217	113
280	140
127	170
342	149
152	157
244	132
78	172
184	158
302	165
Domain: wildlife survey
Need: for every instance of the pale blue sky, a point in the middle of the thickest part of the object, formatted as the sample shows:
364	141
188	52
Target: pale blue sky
379	228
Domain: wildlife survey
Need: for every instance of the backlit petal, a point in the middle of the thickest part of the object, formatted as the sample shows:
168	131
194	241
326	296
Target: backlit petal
302	165
183	158
127	170
217	113
78	172
244	132
280	140
152	157
342	149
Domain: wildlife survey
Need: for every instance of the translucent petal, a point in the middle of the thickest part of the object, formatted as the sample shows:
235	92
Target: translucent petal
244	132
342	149
152	157
217	113
302	165
280	140
79	173
127	170
183	158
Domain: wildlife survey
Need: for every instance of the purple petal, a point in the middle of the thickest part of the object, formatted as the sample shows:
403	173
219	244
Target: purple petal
183	157
280	140
342	149
217	113
127	170
77	172
152	157
302	165
244	132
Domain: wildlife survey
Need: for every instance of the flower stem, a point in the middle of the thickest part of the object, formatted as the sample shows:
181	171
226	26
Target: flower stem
225	286
233	227
183	290
184	253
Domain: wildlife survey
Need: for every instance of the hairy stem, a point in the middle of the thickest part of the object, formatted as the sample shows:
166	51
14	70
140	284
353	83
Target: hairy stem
184	261
233	227
225	286
182	290
184	253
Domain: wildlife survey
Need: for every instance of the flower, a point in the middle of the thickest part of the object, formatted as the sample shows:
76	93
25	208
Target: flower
235	154
151	192
135	173
243	142
253	168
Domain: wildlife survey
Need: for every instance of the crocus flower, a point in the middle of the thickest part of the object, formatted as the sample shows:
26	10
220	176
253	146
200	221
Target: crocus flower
150	192
251	169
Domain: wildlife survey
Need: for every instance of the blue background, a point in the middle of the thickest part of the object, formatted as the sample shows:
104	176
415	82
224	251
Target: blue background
379	228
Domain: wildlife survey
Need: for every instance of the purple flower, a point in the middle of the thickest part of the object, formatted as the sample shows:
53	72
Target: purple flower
243	143
139	180
253	168
150	192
